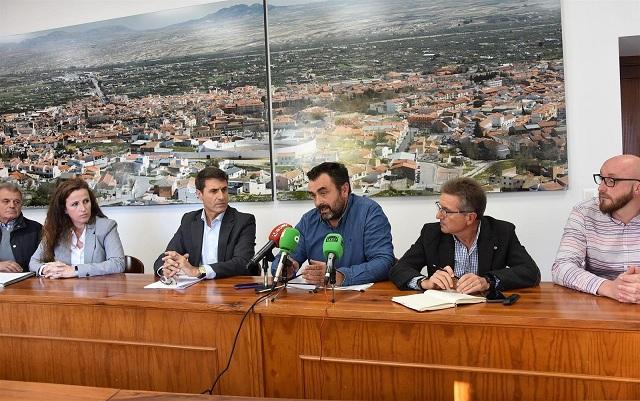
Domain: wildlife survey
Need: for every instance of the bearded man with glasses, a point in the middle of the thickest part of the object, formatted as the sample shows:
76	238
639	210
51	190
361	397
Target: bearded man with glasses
600	248
465	244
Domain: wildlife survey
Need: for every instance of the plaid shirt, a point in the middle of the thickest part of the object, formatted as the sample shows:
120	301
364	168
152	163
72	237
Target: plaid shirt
466	260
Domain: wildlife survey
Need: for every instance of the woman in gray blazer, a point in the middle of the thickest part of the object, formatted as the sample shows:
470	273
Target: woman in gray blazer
77	238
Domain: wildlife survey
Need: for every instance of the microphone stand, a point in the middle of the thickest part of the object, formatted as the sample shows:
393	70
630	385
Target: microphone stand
332	281
265	271
284	279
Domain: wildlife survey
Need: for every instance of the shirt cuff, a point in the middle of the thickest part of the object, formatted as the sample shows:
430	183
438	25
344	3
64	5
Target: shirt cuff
594	286
83	271
211	274
413	284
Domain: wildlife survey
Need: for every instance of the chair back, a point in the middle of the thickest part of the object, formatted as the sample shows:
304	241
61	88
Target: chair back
133	265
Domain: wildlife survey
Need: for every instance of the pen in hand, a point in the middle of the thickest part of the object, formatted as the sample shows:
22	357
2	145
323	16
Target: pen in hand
450	280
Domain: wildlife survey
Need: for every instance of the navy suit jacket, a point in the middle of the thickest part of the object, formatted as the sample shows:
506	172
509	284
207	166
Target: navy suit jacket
235	244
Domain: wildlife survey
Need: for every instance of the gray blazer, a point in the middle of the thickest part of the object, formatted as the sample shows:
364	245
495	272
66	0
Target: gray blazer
103	252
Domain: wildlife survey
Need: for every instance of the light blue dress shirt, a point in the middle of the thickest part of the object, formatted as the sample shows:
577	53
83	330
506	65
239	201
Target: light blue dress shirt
210	238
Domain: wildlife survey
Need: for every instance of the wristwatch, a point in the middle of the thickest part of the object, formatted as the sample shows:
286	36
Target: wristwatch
202	272
493	281
419	283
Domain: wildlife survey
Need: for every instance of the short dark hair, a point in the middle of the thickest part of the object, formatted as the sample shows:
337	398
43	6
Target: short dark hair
207	173
336	171
471	195
11	187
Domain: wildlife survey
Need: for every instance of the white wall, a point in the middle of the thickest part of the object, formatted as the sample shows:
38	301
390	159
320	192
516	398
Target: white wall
590	29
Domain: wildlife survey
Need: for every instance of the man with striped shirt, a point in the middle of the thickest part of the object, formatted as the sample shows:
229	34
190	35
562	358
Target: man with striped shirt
600	249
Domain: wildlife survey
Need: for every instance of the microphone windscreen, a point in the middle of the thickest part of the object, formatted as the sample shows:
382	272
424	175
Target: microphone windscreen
333	243
289	239
277	231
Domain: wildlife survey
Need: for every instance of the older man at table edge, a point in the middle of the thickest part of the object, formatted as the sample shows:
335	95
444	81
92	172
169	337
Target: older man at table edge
19	236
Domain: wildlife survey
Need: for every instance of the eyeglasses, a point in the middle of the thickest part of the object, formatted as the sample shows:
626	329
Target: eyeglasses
610	181
446	212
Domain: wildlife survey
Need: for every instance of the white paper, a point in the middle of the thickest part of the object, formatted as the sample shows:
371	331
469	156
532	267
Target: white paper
300	283
181	283
310	287
357	287
13	277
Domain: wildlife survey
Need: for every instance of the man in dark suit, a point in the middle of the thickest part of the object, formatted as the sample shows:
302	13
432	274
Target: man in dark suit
216	241
465	251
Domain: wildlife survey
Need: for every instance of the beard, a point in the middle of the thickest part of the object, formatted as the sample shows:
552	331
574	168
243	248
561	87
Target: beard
615	204
332	212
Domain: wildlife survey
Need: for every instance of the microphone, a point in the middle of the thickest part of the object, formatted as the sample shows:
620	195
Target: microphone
288	243
274	239
332	248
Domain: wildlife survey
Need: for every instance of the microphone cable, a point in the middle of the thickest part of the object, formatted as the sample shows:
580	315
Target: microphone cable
235	339
325	316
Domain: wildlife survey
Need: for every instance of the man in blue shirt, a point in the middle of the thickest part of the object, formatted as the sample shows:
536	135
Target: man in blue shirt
368	251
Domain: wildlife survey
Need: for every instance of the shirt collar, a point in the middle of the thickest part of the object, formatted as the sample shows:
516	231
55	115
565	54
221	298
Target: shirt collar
203	217
343	216
74	239
9	225
475	241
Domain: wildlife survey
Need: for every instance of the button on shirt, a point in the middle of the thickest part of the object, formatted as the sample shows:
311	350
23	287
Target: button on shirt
77	248
466	260
6	252
210	238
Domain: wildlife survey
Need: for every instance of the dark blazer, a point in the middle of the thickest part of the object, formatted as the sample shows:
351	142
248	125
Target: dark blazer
25	238
235	245
499	253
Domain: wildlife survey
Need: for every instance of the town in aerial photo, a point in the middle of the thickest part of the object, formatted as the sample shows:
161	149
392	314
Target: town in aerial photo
407	94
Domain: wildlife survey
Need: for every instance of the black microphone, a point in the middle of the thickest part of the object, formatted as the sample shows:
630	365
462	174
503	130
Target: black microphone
288	244
265	251
332	248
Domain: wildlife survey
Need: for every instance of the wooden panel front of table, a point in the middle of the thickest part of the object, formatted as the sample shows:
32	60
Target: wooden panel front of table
111	332
554	343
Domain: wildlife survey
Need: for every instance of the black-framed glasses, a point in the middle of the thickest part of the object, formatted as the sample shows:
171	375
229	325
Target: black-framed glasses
446	212
610	181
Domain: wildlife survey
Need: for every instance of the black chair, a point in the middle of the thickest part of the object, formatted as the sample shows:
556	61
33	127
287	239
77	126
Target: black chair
133	265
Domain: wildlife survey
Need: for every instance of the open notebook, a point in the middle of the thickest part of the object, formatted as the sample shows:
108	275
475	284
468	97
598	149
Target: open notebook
10	278
182	282
435	299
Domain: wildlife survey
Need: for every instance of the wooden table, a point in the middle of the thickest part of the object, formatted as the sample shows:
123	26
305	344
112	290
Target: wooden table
110	332
554	343
29	391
